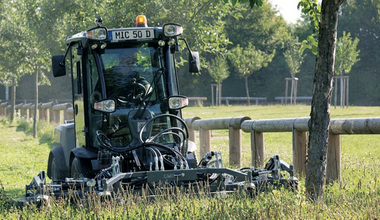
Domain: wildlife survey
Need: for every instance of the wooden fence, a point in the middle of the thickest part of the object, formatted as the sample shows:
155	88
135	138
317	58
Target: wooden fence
298	127
46	111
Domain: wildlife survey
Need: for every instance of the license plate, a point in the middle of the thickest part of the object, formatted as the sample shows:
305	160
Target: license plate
119	35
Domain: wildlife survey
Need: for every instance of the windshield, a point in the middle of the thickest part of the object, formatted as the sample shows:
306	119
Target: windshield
129	72
134	78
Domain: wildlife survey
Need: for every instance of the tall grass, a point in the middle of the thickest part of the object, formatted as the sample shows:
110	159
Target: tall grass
355	197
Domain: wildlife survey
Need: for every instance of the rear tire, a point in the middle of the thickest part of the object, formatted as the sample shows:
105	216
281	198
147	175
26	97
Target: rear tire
54	171
56	168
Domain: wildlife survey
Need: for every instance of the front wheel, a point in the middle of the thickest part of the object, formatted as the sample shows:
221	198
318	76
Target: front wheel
79	168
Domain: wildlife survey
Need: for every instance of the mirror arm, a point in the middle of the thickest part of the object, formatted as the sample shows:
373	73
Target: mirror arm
187	44
62	63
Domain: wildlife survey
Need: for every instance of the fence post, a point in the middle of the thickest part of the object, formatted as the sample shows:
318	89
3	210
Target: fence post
333	158
299	152
257	148
51	114
8	110
204	141
69	114
18	111
234	146
41	112
189	123
3	108
57	116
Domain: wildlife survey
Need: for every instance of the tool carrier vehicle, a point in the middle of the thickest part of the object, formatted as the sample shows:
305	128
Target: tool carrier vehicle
128	130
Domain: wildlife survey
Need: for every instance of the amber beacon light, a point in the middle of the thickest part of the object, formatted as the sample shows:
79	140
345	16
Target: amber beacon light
141	21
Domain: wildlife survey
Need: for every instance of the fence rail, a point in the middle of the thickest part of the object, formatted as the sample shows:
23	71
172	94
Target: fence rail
46	111
244	99
299	128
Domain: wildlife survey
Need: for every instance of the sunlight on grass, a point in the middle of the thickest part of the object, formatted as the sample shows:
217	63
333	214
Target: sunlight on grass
356	197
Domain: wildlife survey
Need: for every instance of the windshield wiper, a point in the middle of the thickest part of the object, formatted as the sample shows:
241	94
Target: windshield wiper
147	98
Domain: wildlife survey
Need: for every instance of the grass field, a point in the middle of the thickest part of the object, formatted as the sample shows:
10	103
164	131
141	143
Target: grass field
356	197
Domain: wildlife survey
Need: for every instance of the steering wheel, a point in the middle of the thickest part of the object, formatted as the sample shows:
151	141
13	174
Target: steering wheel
132	92
103	139
180	133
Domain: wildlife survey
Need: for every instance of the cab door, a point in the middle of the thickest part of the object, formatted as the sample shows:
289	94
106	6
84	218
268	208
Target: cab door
77	80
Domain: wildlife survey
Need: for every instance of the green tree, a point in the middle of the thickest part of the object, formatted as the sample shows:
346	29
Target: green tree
346	54
219	71
261	27
325	20
13	51
362	20
248	60
267	31
25	52
294	57
36	60
345	57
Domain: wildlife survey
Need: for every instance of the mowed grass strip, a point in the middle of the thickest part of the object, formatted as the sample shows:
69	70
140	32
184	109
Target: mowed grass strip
21	156
356	197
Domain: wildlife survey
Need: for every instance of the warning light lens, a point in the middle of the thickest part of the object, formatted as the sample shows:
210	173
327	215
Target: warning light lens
141	21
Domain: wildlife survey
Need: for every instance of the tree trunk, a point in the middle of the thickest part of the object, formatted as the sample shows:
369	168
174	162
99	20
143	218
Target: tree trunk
13	100
247	89
320	107
219	96
35	107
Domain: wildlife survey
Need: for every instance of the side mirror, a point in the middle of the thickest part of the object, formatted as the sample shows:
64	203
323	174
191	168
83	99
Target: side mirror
58	65
194	63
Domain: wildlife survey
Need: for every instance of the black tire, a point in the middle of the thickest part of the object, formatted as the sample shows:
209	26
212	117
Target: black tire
54	171
79	168
57	170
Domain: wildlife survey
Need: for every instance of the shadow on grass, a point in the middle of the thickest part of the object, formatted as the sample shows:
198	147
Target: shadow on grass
47	139
7	198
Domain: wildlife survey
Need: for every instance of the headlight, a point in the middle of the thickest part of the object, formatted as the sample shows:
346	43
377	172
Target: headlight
178	102
105	105
172	30
98	33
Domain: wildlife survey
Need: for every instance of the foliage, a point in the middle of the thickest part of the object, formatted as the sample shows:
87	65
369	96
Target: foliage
312	10
252	3
346	54
294	57
11	35
218	69
362	20
22	44
247	60
260	26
